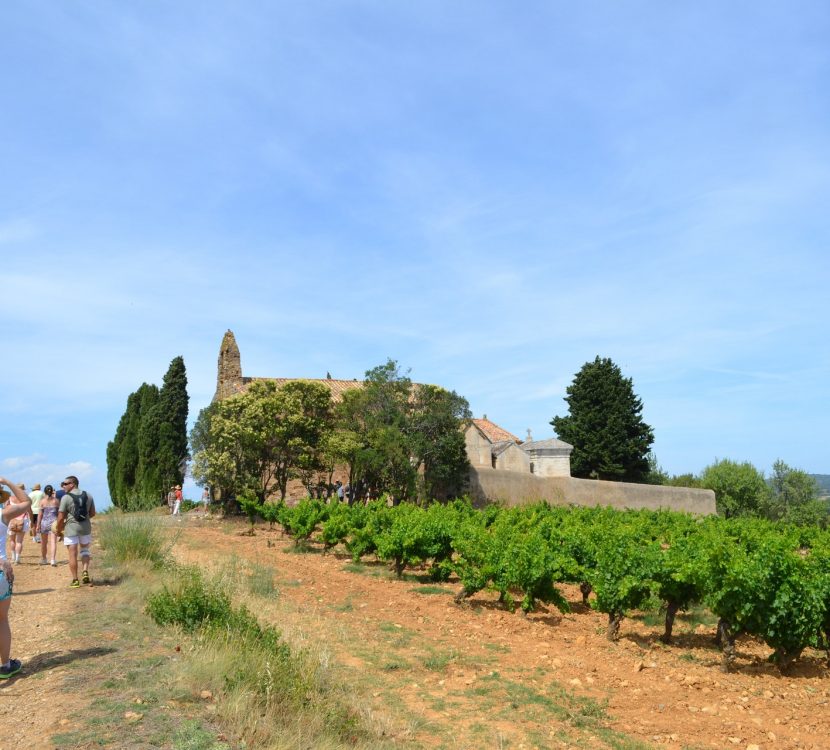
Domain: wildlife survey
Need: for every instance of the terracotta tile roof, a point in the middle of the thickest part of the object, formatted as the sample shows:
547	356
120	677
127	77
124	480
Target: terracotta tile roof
337	387
493	432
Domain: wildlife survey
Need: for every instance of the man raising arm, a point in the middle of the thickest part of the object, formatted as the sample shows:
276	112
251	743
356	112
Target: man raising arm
8	666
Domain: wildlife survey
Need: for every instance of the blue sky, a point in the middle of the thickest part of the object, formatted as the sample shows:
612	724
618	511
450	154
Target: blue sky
490	193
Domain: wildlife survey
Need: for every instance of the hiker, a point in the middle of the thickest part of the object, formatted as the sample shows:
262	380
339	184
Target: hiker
177	502
171	499
45	526
10	512
36	495
19	526
74	514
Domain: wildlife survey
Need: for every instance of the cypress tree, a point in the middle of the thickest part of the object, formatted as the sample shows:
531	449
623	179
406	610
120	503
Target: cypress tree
146	482
122	452
171	453
114	449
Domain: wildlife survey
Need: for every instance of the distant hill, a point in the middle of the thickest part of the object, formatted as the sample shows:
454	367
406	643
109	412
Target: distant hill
823	482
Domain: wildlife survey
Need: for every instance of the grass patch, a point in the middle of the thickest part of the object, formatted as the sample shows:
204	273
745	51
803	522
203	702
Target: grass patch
366	570
261	582
127	537
265	692
191	736
439	661
128	670
698	615
431	590
393	665
580	713
499	648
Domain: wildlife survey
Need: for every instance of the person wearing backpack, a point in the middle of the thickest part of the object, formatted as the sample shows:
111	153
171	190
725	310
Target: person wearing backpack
74	514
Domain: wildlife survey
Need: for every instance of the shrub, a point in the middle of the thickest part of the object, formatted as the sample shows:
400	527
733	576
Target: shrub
189	602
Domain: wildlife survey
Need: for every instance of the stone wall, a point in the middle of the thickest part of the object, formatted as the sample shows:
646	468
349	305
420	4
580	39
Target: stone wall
512	488
229	368
513	459
552	466
478	447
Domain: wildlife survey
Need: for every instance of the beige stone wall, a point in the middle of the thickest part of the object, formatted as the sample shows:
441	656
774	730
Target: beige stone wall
552	466
513	459
478	447
512	488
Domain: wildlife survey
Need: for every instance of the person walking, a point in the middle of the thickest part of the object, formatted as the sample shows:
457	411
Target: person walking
45	526
20	524
74	513
177	502
36	495
171	499
8	666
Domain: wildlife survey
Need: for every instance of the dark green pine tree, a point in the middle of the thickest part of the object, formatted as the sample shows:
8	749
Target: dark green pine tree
147	477
610	439
114	451
123	475
172	454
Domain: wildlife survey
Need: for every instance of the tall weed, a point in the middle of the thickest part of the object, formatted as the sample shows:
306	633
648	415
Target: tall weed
267	692
128	537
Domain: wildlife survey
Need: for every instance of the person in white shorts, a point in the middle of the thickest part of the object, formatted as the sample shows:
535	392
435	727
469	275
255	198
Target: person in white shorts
74	514
8	666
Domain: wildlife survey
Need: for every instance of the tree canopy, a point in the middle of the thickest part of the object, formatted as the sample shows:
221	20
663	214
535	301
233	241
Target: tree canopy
605	426
740	489
148	453
259	439
392	436
402	438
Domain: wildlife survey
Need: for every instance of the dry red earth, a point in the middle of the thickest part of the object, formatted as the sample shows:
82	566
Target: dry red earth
495	678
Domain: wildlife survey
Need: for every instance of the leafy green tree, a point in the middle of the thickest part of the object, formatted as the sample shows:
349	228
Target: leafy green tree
740	489
259	439
605	425
684	480
403	439
794	497
437	441
377	416
656	473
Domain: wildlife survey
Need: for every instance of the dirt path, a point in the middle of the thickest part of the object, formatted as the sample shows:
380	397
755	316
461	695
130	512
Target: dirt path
38	697
473	676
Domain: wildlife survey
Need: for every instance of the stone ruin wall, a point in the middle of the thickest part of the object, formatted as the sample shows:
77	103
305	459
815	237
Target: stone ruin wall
229	368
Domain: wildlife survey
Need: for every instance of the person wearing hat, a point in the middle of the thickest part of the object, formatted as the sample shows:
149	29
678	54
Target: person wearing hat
36	495
74	513
178	501
10	511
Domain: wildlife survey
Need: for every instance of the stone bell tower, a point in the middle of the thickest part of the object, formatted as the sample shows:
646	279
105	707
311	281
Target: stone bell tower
229	369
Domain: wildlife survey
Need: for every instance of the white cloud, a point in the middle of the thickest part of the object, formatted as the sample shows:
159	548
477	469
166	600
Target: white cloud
31	469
